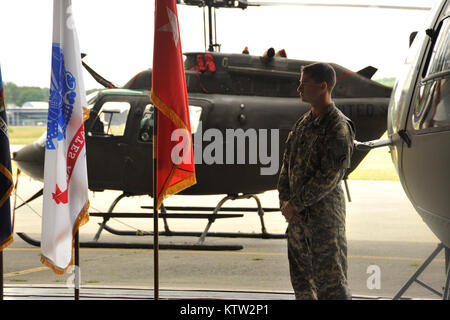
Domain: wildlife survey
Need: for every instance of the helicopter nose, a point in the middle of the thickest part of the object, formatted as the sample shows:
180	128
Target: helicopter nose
30	160
24	154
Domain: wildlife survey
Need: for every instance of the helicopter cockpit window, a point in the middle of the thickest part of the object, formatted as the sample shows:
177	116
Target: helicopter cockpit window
194	116
111	120
146	126
432	105
440	57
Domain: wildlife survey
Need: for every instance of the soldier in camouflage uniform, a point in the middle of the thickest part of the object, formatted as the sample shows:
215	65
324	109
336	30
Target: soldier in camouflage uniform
317	155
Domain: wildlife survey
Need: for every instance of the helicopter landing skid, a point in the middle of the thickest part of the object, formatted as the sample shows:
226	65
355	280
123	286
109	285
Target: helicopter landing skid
197	234
122	245
202	235
446	294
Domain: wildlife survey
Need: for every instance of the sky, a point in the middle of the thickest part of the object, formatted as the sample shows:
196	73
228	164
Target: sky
117	35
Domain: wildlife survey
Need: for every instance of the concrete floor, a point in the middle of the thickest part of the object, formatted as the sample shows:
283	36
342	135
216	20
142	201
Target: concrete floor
383	230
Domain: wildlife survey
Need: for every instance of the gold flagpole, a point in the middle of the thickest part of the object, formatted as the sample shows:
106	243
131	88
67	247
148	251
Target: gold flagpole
1	275
77	267
155	210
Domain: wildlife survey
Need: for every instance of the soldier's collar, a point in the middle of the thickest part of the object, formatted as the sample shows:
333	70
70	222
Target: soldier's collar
319	120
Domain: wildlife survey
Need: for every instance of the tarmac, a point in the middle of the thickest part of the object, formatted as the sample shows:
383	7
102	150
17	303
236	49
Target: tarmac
387	242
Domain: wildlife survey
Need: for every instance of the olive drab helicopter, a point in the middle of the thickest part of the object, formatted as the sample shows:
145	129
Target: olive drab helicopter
419	133
242	108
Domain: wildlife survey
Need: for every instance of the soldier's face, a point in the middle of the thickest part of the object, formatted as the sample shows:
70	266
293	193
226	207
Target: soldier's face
308	89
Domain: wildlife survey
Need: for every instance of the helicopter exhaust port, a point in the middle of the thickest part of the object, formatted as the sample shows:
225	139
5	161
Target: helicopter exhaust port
268	55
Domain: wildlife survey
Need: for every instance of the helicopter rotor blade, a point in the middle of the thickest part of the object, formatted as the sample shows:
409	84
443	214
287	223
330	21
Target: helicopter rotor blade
245	4
35	196
311	4
96	76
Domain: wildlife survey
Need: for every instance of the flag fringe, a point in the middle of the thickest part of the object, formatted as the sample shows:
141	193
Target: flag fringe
167	111
8	175
82	219
6	242
187	182
178	187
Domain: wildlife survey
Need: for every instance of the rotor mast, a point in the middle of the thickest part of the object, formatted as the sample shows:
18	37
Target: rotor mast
213	4
212	43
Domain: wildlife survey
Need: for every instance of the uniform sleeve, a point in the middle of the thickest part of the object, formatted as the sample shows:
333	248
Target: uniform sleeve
333	164
283	179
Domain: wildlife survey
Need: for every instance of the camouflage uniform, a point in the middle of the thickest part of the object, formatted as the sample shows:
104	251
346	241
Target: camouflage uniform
317	155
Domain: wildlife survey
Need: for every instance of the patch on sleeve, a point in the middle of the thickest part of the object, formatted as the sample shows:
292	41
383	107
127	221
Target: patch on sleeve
340	153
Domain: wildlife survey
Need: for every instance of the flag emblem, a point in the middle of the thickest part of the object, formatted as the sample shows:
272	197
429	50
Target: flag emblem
174	172
6	178
62	98
66	194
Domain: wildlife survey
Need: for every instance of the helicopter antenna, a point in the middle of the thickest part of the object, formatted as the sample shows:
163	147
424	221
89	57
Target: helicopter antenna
204	26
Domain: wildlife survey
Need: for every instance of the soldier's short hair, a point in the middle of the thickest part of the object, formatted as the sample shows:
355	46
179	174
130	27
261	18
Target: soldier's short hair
321	72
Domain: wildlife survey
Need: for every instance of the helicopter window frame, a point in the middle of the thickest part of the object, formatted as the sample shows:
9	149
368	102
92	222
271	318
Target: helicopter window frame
430	72
146	126
431	112
95	129
425	110
92	98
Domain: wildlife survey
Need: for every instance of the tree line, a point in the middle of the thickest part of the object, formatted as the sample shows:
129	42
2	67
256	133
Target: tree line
18	95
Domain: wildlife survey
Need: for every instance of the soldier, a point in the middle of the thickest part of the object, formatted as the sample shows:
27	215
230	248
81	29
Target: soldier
317	155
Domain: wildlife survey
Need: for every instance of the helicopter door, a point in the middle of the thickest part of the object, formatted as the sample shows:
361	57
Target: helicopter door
138	165
107	145
426	160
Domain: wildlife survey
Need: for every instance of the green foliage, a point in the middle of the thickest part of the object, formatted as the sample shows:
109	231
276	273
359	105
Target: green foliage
386	81
19	95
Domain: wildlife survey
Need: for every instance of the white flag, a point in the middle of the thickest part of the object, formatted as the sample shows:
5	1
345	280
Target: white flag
66	198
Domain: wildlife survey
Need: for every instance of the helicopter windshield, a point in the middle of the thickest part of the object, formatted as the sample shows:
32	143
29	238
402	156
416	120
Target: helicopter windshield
399	99
406	80
432	98
146	124
112	118
91	99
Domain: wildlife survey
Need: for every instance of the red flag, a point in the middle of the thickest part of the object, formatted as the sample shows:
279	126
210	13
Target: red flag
175	159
